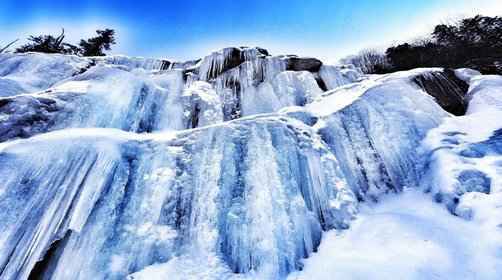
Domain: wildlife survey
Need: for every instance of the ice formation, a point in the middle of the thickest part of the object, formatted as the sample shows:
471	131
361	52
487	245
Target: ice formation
233	166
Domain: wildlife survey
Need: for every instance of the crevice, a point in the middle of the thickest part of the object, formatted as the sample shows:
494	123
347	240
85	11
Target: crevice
84	69
44	268
320	82
194	119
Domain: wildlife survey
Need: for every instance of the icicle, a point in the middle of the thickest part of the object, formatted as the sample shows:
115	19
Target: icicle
213	64
202	105
131	63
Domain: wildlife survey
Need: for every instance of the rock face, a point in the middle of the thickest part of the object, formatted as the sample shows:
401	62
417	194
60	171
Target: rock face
449	91
226	167
303	64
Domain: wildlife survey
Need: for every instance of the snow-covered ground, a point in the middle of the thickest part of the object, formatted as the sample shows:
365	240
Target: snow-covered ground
408	236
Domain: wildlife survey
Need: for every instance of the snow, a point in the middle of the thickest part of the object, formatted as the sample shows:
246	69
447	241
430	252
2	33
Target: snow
339	98
486	94
466	74
186	268
410	237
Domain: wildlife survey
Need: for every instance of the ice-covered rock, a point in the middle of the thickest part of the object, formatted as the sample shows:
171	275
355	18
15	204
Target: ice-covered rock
103	96
134	62
223	60
333	76
205	105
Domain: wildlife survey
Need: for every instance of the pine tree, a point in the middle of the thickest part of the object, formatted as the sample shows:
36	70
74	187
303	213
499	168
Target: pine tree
48	44
97	45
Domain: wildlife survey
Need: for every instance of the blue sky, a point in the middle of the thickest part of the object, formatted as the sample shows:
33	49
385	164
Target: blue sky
181	30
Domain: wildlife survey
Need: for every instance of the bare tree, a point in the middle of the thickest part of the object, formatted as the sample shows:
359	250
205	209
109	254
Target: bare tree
369	61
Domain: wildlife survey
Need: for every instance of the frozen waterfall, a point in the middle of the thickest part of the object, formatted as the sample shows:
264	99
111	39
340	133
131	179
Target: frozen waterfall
228	167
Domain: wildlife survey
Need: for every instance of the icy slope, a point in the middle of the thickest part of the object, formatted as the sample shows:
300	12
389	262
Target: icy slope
228	167
374	128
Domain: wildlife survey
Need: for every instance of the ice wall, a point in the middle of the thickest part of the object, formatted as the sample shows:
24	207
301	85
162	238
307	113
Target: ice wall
118	202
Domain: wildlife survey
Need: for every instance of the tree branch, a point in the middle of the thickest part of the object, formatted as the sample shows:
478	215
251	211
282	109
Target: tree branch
8	45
